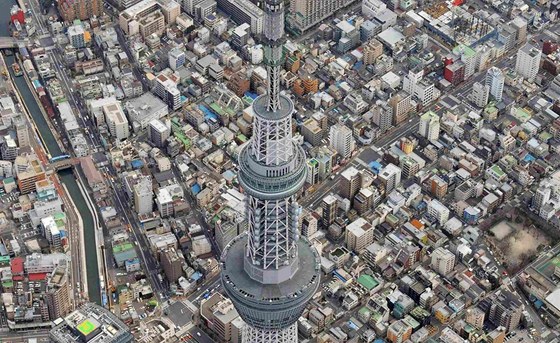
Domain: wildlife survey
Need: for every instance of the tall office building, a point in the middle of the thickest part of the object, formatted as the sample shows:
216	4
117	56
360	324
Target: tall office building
495	80
443	261
390	177
503	308
350	182
177	58
166	89
143	196
330	207
219	314
71	10
429	126
243	11
22	133
304	14
480	94
158	133
116	121
438	211
342	140
149	16
271	273
58	292
172	264
528	62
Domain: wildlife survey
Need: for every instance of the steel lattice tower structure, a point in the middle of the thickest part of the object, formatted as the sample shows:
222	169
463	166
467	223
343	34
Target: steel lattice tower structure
270	273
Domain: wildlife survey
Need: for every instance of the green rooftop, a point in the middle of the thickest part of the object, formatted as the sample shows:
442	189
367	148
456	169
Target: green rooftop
462	49
86	327
367	281
364	312
556	261
122	247
497	170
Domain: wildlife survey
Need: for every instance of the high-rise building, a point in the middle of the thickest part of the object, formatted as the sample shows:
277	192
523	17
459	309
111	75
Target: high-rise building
442	261
528	62
148	17
542	196
363	200
495	79
429	126
29	170
401	105
80	9
58	292
330	208
359	234
309	224
242	11
304	14
390	177
409	167
372	50
124	4
165	88
219	315
52	232
350	182
177	58
503	308
76	36
9	150
158	133
271	273
143	195
438	211
22	133
341	139
116	121
312	132
172	264
480	94
312	171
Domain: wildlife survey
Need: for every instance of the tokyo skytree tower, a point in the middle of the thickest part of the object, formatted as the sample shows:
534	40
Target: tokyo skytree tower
270	273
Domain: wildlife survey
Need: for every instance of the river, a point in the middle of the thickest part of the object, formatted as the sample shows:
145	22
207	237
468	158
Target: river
67	177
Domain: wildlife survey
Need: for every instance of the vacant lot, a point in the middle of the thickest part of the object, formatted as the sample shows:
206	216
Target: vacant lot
515	243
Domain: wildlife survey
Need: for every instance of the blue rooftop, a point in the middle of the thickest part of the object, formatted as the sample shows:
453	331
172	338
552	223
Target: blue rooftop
195	189
208	114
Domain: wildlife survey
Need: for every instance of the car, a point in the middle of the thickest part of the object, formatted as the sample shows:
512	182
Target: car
198	334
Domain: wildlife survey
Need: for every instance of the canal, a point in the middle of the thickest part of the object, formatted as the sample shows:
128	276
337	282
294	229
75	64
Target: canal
67	177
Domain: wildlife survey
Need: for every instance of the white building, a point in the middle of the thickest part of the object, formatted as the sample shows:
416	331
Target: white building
341	140
143	196
480	94
429	126
438	211
495	81
528	62
177	58
359	234
415	85
116	121
390	176
443	261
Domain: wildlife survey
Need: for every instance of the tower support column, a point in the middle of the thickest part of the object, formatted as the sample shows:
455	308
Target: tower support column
253	335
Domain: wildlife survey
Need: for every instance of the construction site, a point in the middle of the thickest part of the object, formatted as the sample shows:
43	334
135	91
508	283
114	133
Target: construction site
455	24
